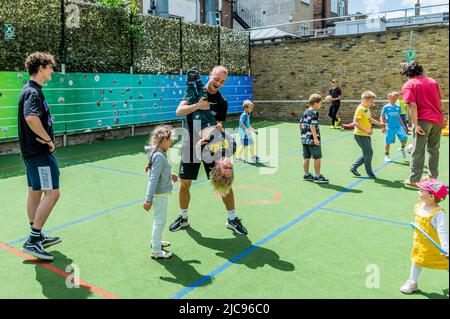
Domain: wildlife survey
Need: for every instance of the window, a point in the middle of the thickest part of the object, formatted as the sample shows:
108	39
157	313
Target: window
218	15
306	1
334	6
341	8
304	30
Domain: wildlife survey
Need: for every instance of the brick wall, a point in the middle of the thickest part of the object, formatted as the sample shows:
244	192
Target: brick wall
294	70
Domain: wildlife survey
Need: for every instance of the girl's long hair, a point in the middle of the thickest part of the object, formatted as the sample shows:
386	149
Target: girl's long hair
159	135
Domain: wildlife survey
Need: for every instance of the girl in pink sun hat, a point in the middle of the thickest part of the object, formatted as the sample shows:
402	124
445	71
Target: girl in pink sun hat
430	218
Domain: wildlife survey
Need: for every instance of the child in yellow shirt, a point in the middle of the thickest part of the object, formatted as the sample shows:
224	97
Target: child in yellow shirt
431	219
362	133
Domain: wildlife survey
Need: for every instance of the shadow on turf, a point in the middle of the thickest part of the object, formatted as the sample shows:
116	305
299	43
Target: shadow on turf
434	295
229	248
182	271
394	184
53	285
338	188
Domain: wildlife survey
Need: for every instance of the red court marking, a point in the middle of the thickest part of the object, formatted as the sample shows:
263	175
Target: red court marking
268	190
58	271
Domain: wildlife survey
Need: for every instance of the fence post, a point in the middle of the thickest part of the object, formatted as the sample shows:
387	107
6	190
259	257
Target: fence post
249	53
218	44
62	43
131	42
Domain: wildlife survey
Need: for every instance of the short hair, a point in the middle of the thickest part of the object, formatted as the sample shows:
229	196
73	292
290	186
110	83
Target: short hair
335	81
247	104
221	183
37	59
315	98
219	69
393	94
412	69
368	95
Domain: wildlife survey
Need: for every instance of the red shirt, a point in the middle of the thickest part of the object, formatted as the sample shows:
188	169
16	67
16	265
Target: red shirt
425	92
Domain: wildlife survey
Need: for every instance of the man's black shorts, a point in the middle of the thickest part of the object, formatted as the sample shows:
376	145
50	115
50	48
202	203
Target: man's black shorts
313	151
190	170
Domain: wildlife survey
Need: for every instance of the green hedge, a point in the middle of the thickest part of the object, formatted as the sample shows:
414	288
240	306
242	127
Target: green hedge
110	41
234	50
37	28
154	53
102	43
200	46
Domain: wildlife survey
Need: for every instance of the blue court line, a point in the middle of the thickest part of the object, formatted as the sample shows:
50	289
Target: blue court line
102	167
77	221
336	211
222	268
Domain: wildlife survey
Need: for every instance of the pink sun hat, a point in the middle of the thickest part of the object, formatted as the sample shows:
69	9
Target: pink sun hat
435	187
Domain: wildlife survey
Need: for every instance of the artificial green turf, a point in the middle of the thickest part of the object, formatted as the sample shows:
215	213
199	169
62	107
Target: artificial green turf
325	255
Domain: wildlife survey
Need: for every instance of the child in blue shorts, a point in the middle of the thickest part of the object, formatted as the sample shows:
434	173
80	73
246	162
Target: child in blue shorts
395	126
245	129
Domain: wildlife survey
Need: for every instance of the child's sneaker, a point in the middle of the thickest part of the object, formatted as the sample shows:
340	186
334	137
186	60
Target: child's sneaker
321	180
240	160
354	171
338	122
36	250
256	159
308	177
409	287
162	255
371	176
402	152
386	158
236	225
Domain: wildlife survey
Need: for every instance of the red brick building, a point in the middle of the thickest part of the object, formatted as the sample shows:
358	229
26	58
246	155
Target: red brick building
328	9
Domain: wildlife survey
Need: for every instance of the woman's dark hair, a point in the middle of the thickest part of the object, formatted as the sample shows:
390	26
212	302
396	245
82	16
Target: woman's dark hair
412	69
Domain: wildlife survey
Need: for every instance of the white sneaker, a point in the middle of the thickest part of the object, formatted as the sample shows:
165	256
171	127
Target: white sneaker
162	255
409	287
402	153
387	159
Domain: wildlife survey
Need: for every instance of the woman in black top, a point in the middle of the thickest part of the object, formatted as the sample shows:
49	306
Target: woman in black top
336	94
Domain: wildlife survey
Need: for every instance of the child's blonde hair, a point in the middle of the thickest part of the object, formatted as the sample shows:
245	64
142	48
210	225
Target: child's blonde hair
247	104
394	94
368	95
315	98
221	183
159	135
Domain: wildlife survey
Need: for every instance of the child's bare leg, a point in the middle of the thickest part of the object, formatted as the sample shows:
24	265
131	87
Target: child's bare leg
387	148
317	163
306	165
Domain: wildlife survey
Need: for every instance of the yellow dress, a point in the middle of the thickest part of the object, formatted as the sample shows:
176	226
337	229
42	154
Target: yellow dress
424	253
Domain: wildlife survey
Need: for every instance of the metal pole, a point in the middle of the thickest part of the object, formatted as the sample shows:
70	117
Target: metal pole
62	43
181	47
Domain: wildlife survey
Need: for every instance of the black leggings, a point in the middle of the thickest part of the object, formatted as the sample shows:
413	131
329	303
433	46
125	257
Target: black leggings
332	112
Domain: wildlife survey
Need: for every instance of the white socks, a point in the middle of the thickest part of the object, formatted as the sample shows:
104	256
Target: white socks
232	214
415	272
183	213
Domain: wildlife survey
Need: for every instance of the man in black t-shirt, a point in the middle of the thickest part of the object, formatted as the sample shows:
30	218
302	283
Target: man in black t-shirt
336	94
36	145
191	160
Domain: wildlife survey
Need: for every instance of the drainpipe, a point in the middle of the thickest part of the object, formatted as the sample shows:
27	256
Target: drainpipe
162	8
210	17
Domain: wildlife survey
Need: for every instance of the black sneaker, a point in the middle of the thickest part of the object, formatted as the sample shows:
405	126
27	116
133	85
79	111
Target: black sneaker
193	75
179	223
36	250
308	177
236	225
354	171
371	176
321	180
48	241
